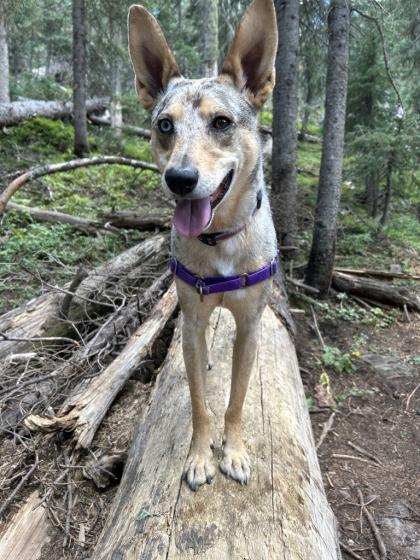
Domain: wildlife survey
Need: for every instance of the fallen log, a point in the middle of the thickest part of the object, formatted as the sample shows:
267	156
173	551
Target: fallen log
54	217
133	220
281	513
375	290
41	317
377	273
136	130
41	170
85	359
83	413
17	111
27	532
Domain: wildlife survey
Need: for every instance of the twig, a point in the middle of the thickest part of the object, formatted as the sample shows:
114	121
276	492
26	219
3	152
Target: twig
69	501
365	453
350	552
302	286
353	458
318	332
388	72
407	315
374	527
19	486
75	283
325	430
8	338
410	397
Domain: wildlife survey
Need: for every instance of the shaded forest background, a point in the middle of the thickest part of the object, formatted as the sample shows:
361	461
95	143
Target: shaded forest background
358	354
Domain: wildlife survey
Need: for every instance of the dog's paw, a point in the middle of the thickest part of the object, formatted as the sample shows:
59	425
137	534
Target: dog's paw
199	469
236	464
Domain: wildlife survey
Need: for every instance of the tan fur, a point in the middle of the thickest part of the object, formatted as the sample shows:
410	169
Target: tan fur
192	109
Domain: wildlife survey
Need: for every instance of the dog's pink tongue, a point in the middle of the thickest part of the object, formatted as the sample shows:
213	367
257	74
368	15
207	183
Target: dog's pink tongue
192	216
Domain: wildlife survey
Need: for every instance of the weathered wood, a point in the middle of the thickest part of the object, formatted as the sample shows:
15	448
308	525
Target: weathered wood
133	220
83	412
17	111
49	169
377	273
85	358
282	513
371	289
41	316
27	532
54	217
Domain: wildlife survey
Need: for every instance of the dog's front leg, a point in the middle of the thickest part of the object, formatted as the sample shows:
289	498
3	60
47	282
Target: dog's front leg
199	467
235	462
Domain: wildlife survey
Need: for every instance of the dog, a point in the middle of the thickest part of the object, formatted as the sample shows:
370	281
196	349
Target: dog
206	144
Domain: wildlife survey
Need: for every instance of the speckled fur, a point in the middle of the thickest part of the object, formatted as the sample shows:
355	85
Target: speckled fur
192	105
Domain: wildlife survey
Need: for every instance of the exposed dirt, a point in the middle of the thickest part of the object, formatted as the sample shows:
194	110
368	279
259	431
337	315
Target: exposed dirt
374	414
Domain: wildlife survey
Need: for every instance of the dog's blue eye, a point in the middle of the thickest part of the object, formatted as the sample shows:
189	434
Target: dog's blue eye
221	123
165	126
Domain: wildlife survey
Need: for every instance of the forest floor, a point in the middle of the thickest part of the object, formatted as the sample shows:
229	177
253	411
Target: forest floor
364	372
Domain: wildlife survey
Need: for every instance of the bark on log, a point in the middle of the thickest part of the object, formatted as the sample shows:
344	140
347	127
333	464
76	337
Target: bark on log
132	220
41	170
136	130
83	413
27	532
13	113
281	513
375	290
41	316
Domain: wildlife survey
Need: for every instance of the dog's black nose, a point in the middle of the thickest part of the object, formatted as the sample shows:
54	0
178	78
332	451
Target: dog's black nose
181	180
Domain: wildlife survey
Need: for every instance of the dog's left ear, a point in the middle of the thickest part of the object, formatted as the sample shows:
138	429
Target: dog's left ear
252	54
153	61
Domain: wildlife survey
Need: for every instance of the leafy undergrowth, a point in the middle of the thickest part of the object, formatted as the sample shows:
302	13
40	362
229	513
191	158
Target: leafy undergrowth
31	252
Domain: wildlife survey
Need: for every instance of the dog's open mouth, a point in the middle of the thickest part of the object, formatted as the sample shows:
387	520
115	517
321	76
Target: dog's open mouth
192	216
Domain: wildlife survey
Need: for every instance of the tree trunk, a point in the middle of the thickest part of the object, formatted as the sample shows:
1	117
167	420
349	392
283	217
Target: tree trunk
4	58
388	191
210	37
309	77
281	513
285	103
79	78
321	260
372	194
13	113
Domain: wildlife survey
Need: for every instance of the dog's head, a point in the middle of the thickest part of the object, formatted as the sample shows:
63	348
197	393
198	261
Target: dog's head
204	132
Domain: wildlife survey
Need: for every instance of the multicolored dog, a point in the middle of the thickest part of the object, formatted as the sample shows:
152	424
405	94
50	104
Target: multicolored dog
205	142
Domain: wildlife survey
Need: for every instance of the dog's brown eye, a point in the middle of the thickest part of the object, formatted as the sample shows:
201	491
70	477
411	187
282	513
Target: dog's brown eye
165	126
221	123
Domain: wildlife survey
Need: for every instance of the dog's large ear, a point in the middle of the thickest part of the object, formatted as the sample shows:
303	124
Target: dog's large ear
153	62
251	57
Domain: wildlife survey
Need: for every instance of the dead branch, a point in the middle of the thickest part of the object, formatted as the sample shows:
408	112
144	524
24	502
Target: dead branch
49	169
377	273
54	217
325	430
40	317
370	289
9	499
137	131
364	452
372	523
84	412
133	220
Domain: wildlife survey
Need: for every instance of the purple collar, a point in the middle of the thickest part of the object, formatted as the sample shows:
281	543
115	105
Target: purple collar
219	284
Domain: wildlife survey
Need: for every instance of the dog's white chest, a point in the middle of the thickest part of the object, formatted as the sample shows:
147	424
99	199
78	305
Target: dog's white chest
224	267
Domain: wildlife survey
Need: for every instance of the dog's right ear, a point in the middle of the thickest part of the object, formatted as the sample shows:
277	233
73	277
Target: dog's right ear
152	59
